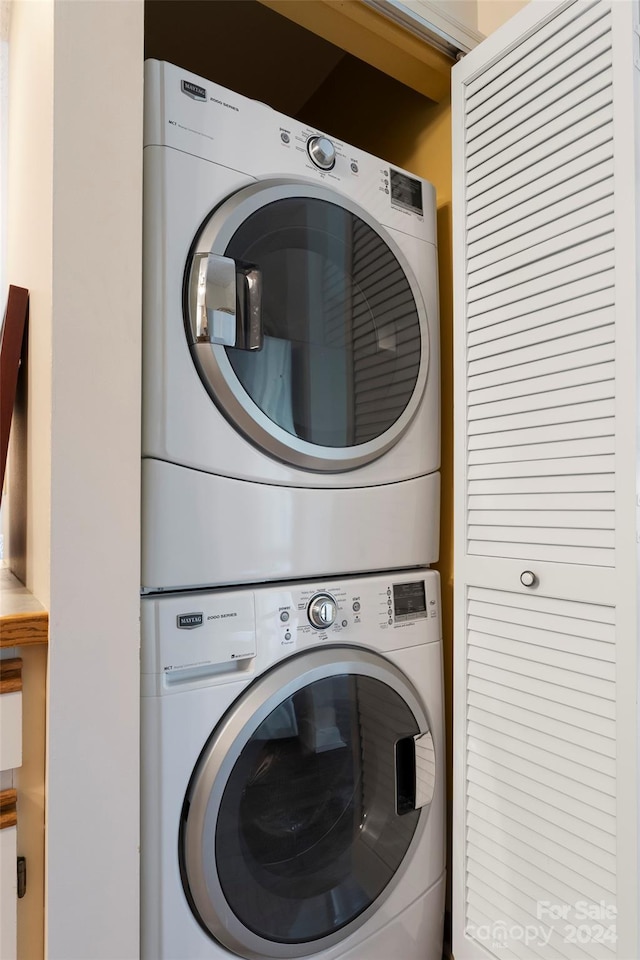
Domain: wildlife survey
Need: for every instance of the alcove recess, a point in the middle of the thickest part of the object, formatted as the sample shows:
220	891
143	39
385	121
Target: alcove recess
345	70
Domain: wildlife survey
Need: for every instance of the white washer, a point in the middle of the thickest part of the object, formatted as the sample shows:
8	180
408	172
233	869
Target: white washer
291	352
293	775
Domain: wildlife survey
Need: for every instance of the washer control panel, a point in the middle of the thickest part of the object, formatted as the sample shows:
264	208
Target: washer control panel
221	635
380	611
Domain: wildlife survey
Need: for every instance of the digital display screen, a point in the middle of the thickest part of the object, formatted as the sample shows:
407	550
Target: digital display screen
406	192
409	600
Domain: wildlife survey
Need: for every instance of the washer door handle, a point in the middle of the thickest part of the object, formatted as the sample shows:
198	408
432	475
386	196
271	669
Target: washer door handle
415	772
425	769
225	302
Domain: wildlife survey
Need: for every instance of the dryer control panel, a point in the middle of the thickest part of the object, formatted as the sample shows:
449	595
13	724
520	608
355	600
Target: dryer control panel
227	634
195	115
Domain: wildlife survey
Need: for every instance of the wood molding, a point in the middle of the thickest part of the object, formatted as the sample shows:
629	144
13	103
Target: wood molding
11	675
11	341
363	32
8	808
19	629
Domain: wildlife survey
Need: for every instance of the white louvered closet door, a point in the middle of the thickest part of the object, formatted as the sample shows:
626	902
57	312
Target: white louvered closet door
545	828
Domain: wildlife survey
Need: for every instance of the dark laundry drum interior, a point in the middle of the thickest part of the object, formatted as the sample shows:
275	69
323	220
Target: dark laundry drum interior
308	834
342	343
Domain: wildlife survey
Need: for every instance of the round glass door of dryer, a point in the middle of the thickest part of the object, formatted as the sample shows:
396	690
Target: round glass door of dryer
325	361
297	822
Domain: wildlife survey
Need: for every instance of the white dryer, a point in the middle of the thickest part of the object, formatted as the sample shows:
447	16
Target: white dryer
293	771
291	353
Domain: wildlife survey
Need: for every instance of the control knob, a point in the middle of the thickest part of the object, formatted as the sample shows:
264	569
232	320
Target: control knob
322	152
322	611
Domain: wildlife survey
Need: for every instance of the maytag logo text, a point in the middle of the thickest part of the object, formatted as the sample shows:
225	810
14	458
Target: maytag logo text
187	621
193	90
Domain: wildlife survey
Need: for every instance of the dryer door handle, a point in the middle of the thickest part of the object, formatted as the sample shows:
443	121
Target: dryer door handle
225	302
415	772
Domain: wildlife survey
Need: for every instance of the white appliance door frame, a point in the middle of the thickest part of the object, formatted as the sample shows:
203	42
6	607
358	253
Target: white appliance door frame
216	370
216	766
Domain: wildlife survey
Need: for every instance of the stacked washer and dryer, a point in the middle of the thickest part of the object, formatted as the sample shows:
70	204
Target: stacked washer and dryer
292	705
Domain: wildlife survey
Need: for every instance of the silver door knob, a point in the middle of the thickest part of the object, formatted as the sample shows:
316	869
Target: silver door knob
322	611
528	578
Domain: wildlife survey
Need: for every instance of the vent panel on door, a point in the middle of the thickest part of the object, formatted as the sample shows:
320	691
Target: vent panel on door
547	112
589	156
551	228
538	59
562	199
585	240
548	149
539	281
540	758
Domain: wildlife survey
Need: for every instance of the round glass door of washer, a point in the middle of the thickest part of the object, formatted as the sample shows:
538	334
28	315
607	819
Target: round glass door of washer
300	815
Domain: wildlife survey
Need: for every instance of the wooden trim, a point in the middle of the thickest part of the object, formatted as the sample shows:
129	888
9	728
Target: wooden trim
19	629
11	675
11	342
8	808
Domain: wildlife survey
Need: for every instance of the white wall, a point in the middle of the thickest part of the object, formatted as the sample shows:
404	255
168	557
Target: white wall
30	252
493	13
75	242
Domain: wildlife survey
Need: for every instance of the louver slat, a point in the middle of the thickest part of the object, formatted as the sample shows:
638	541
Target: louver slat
495	696
593	147
497	128
526	824
587	81
558	341
553	225
584	188
545	147
588	446
525	366
512	734
544	726
527	891
544	872
564	27
538	535
481	428
553	283
585	483
535	194
535	517
541	787
588	612
547	254
583	556
527	305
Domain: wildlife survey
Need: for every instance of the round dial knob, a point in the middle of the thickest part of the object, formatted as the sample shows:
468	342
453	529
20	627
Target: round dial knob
528	578
322	152
322	611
